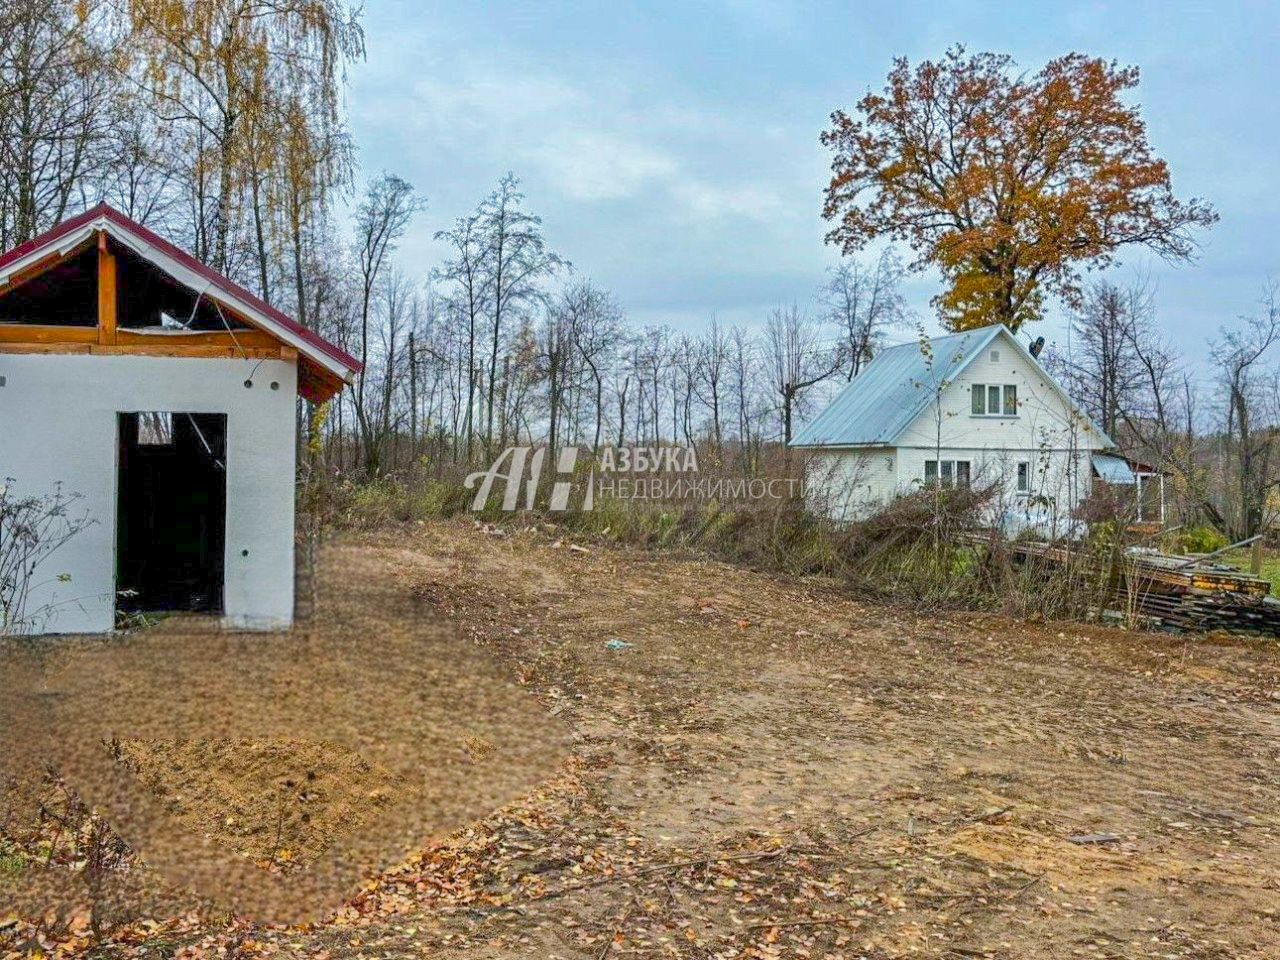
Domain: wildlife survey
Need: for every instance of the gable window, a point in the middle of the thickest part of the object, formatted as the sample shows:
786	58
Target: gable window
1024	477
949	474
993	400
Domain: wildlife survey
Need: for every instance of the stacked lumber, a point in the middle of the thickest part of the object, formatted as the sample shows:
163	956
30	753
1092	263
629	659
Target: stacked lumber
1179	592
1205	612
1193	594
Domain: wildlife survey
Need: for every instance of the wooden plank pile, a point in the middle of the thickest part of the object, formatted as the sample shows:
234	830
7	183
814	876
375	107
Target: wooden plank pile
1181	592
1191	594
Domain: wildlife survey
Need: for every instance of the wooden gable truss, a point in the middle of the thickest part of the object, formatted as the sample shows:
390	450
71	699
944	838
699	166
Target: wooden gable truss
241	338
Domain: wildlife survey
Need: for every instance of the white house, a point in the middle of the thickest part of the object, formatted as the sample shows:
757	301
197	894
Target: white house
163	396
956	410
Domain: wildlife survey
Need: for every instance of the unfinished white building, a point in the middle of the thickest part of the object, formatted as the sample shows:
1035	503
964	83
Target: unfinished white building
162	397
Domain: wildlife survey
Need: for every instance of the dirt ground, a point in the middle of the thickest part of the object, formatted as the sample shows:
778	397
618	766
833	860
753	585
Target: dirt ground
763	767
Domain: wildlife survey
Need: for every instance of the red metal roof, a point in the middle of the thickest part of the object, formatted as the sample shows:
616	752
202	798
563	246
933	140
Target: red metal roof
227	286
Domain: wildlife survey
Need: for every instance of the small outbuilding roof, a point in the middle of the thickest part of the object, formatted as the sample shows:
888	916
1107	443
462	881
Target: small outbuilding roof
1113	469
882	401
186	270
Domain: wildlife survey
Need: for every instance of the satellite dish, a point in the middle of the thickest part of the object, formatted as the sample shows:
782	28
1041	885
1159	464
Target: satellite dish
1036	346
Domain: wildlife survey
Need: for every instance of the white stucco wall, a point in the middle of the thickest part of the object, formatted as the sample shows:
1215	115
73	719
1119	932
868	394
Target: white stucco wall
58	423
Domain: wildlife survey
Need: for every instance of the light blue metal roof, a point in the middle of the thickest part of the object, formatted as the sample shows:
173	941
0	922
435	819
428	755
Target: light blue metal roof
895	388
1113	469
900	384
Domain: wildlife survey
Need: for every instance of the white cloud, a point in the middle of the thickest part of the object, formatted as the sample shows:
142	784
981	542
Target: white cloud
489	100
595	165
589	143
714	201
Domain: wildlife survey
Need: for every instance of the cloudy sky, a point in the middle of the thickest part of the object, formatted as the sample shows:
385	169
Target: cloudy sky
672	148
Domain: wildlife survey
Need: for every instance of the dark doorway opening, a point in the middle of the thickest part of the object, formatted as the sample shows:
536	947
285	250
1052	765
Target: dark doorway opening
171	512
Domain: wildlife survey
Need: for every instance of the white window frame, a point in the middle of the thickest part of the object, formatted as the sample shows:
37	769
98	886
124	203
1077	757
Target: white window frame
1022	478
997	400
946	474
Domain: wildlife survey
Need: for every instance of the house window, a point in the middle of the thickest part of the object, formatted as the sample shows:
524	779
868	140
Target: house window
994	400
947	473
1024	477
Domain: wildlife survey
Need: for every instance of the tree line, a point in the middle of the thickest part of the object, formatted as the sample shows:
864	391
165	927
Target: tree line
1215	437
219	123
508	342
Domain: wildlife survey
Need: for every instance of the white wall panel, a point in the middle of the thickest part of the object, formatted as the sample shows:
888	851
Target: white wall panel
58	424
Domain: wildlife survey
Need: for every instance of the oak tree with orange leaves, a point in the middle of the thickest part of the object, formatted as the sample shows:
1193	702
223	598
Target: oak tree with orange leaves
1010	184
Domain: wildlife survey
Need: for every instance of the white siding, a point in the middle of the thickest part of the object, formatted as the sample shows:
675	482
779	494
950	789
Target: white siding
1044	419
848	484
58	423
1059	480
1046	433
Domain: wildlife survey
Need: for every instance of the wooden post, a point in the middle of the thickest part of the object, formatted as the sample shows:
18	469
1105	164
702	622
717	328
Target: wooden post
1255	561
106	292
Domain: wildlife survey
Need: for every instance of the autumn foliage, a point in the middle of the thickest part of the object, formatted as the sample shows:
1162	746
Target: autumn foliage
1010	184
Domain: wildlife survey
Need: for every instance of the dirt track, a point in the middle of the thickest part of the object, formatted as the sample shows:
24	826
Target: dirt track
928	782
761	767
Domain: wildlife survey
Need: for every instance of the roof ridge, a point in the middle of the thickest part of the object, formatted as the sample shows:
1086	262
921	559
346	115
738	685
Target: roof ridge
113	217
849	420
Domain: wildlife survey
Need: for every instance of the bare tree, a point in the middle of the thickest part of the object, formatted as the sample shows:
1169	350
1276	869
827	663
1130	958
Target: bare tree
54	125
516	261
744	389
712	372
597	328
865	303
139	182
1112	337
684	372
652	359
467	272
381	220
556	355
798	360
1249	441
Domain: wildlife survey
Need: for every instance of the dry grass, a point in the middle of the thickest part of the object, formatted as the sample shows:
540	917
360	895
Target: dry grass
766	767
934	769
